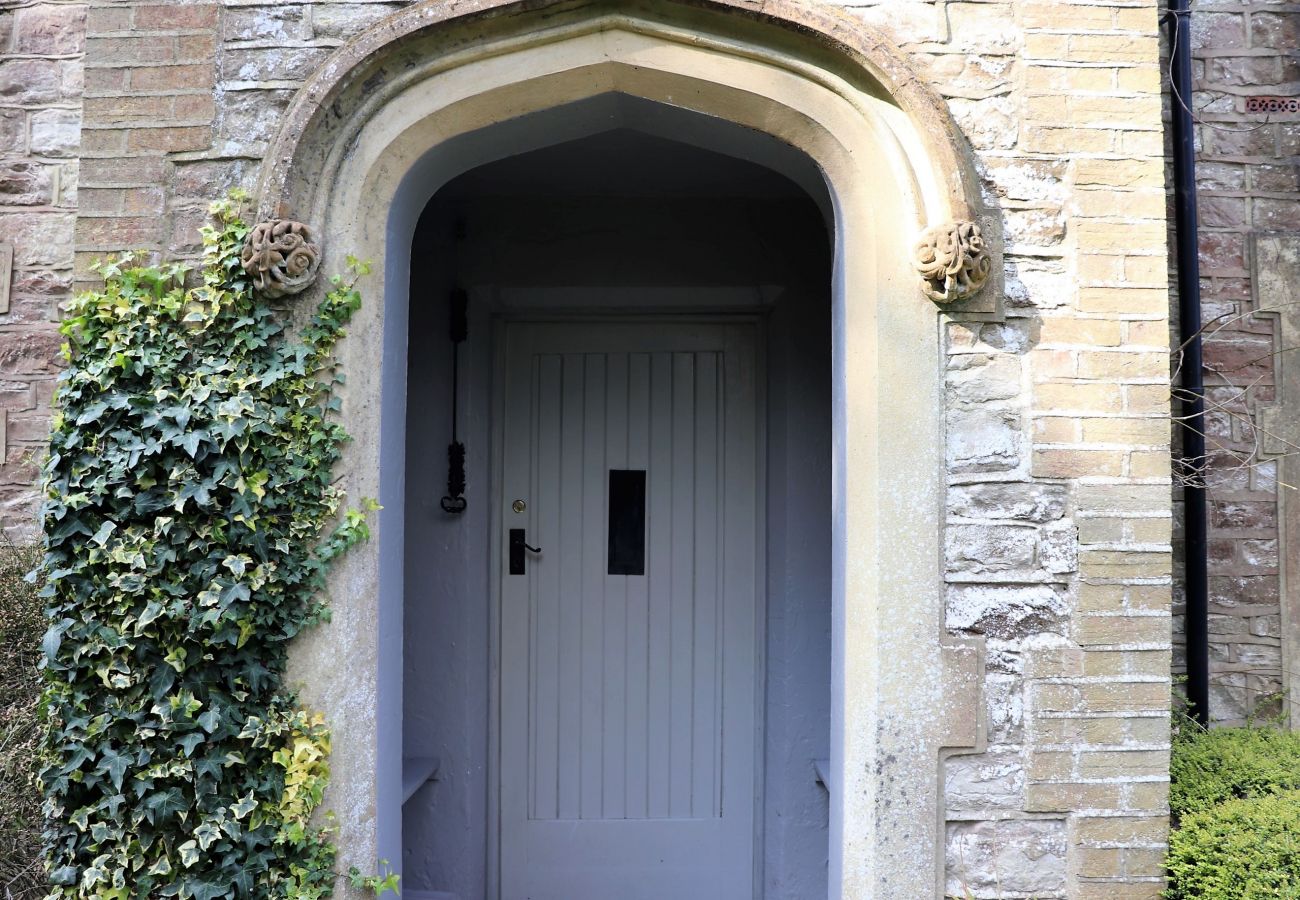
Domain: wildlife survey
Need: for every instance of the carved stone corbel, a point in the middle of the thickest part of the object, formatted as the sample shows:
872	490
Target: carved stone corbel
953	260
281	257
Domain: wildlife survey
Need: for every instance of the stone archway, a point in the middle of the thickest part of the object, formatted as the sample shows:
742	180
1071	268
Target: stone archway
432	93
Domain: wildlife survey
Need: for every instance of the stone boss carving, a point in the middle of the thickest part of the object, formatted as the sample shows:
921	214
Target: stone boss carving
953	261
281	257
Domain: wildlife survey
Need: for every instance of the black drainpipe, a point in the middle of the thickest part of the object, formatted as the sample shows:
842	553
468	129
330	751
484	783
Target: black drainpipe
1191	468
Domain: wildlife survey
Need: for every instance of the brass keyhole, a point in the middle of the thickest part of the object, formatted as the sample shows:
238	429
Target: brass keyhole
519	506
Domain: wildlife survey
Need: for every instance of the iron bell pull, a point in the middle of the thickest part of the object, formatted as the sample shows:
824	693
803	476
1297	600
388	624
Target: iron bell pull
454	501
518	544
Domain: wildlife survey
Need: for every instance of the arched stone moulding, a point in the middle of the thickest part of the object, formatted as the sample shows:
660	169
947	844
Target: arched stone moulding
824	44
436	90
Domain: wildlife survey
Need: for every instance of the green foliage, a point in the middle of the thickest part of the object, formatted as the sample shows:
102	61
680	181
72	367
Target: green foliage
376	884
1238	850
188	510
1209	767
22	623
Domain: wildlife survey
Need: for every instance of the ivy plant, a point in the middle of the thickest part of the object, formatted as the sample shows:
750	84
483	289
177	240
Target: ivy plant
190	520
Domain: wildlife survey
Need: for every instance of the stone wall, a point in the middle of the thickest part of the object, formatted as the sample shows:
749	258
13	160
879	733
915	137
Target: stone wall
1248	183
1059	526
41	49
1058	537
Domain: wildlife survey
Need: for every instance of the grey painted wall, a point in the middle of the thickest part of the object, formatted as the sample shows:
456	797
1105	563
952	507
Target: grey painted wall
617	222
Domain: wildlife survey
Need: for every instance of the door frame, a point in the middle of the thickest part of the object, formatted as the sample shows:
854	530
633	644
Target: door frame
500	325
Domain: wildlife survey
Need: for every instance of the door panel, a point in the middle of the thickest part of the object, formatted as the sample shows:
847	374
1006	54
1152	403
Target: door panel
628	702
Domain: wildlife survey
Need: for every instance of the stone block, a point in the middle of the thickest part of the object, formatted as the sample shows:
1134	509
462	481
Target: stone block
973	550
1035	227
1077	331
30	82
40	239
1004	699
36	354
278	65
56	132
983	439
1274	214
25	184
989	124
1058	548
985	29
1272	30
284	23
978	378
249	119
1012	857
122	172
1026	501
50	29
1008	612
984	782
340	21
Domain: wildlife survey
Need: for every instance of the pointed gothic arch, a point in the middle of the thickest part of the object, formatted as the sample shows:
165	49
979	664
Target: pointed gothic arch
441	88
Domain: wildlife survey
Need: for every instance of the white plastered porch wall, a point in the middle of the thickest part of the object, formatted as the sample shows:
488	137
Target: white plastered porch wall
891	714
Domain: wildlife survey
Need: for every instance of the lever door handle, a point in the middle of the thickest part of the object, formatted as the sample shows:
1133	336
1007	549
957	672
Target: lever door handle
518	544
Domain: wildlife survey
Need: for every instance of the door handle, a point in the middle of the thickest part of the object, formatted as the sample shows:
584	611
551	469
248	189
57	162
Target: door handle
518	545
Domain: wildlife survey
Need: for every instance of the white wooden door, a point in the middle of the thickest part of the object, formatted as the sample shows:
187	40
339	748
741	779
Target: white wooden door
628	701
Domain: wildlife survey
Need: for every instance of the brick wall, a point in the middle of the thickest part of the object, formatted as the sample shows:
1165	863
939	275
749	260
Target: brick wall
41	49
1248	179
150	107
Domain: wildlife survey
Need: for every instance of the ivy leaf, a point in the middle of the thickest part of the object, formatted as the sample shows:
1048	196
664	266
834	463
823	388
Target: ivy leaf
164	804
151	613
54	638
63	875
191	442
209	720
207	890
92	413
243	806
101	536
190	741
115	764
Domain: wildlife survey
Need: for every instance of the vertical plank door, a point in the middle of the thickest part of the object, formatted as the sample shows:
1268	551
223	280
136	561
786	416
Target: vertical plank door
629	678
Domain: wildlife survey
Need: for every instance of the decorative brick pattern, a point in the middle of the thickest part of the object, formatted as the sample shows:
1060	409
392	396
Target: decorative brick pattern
41	49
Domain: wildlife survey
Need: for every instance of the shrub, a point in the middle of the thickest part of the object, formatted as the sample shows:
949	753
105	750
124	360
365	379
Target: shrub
1238	850
1210	767
22	623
